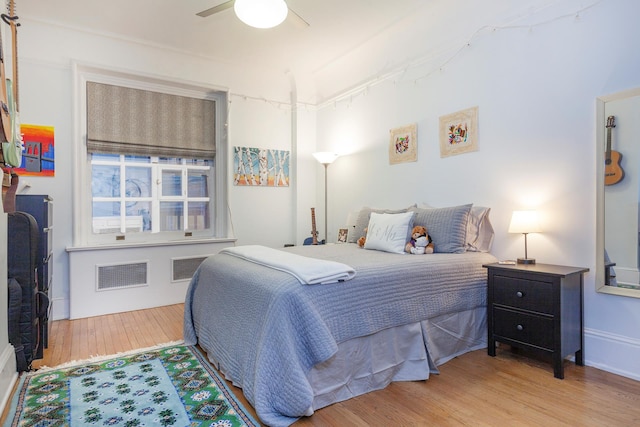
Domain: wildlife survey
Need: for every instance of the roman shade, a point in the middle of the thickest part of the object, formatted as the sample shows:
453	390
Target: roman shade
122	120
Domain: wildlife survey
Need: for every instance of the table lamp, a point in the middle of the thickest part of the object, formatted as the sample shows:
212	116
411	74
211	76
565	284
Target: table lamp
525	222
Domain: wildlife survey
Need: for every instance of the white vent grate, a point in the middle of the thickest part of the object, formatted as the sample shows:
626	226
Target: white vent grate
184	268
119	276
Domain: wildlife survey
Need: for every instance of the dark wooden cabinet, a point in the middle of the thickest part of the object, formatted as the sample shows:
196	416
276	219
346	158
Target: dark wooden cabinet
41	208
537	307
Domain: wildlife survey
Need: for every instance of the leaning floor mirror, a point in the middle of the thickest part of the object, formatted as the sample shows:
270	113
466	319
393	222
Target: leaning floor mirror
618	194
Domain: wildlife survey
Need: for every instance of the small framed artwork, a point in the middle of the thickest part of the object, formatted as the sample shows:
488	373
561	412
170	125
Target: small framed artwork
403	144
343	234
459	132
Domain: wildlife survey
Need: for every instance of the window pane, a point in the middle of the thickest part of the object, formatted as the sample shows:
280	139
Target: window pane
106	217
169	161
199	162
198	215
137	159
105	181
106	209
138	183
105	157
197	184
141	211
171	216
171	183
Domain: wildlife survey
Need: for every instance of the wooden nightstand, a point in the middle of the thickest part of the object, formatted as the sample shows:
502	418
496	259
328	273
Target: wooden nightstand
536	307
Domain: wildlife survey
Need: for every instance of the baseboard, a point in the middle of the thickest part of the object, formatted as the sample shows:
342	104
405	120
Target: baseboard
612	353
8	375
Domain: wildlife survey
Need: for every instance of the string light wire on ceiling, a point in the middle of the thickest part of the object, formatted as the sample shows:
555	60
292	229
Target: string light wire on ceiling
395	74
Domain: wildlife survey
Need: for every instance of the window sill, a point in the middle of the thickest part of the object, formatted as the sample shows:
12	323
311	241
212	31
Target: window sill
130	245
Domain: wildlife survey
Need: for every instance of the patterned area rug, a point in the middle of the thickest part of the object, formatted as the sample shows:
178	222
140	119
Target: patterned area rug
167	386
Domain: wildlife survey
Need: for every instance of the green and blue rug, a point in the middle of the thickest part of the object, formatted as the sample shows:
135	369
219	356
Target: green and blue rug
167	386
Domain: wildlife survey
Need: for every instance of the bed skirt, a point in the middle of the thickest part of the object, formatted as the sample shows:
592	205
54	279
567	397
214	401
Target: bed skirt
405	353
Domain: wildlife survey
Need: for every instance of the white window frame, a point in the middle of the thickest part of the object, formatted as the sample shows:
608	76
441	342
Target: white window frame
82	198
155	197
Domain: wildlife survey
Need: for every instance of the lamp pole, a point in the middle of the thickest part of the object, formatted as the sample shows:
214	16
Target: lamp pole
325	158
326	166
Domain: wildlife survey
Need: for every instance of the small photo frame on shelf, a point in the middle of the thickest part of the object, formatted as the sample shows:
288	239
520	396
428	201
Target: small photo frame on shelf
343	235
459	132
403	144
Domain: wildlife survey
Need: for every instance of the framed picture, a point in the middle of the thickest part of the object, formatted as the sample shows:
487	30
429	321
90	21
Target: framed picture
459	132
343	234
263	167
403	144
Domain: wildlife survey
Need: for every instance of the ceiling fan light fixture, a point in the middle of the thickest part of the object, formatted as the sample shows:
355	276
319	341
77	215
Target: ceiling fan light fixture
261	13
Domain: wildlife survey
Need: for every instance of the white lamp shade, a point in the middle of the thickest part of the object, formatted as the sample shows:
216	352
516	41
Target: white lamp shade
524	222
261	13
325	157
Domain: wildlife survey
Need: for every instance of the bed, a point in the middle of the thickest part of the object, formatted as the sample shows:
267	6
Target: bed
295	347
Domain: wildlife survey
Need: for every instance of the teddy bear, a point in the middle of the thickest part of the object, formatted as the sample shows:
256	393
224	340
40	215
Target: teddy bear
420	242
362	239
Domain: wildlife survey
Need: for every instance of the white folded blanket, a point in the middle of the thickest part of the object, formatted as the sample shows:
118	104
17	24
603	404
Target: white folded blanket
307	270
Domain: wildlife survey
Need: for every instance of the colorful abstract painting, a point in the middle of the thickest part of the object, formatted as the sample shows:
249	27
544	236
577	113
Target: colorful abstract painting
38	157
459	132
261	167
403	144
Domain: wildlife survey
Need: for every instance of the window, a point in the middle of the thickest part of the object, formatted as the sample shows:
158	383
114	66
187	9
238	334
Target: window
149	194
146	165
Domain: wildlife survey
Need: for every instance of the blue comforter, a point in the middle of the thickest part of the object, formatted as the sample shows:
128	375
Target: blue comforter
264	330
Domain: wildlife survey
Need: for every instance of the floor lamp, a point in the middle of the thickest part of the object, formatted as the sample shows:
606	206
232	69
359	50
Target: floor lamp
326	158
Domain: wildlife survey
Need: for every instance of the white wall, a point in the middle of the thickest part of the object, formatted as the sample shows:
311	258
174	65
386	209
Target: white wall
535	88
259	116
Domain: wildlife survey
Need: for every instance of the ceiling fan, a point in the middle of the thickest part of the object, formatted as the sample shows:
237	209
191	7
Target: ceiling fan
232	3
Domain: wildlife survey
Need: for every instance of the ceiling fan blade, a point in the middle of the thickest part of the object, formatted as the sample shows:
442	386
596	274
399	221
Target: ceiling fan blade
229	4
219	8
299	18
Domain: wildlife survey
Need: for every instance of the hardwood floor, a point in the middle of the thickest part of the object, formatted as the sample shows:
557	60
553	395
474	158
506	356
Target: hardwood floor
471	390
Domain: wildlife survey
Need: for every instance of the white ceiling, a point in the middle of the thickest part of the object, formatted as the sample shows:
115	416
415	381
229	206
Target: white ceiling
349	39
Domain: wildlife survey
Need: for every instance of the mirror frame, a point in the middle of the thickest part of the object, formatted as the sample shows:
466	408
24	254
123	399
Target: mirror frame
600	144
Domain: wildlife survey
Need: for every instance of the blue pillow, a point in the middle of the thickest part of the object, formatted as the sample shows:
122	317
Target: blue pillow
446	226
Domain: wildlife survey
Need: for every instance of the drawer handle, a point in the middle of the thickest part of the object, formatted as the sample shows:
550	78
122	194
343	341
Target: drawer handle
519	327
519	294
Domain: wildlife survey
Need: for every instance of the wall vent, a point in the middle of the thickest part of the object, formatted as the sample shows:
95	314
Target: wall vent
119	276
184	268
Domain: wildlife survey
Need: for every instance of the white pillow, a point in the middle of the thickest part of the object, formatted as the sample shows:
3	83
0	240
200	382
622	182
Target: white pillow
388	232
362	220
479	230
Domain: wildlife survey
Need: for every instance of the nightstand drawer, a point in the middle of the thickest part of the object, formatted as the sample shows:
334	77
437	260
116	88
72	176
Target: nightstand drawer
522	327
524	294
